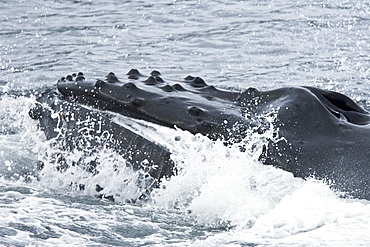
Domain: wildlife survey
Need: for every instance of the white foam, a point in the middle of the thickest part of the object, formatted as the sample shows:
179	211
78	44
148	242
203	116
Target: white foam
310	216
221	185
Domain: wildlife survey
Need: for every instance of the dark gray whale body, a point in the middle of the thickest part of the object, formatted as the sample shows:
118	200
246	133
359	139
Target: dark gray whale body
325	134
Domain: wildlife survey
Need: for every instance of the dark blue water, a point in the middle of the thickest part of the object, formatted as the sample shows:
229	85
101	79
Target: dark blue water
230	44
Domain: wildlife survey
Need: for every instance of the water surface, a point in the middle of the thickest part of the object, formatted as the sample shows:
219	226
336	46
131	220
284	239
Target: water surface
223	197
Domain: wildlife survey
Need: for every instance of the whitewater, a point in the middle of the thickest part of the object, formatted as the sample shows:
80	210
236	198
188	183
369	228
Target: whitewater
221	196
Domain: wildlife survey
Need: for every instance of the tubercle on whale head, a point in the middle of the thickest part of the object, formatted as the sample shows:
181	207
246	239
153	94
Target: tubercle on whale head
73	77
112	78
153	80
134	74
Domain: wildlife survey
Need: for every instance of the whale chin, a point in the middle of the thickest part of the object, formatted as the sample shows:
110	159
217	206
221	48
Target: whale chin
323	133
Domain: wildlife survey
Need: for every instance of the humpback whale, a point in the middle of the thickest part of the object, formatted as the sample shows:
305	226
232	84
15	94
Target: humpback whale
324	134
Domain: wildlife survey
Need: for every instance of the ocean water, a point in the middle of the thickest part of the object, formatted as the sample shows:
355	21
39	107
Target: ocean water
221	197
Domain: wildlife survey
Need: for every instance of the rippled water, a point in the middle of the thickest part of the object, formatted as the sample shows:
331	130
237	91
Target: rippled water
230	44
